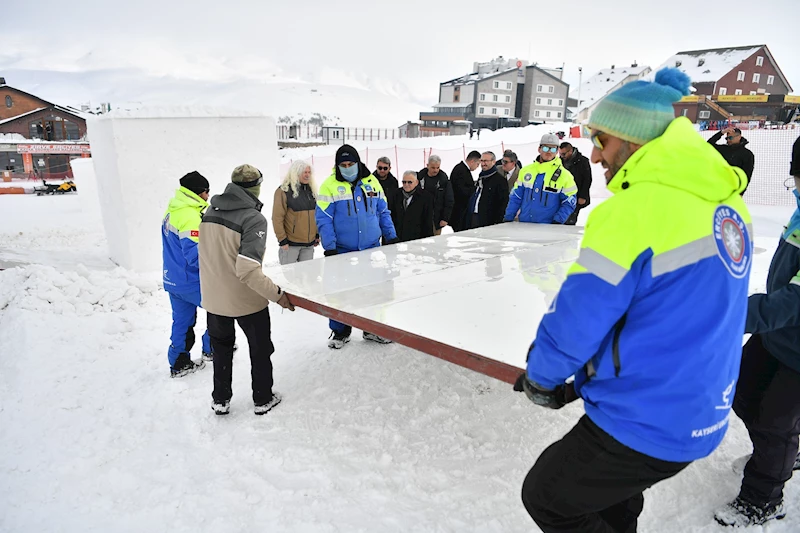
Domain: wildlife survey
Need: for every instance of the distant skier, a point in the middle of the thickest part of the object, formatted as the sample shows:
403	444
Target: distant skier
661	314
352	215
180	234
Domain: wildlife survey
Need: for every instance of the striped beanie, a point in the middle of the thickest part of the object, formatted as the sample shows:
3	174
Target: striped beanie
640	111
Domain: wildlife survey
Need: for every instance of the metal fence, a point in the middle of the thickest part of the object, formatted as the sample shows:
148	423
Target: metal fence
309	132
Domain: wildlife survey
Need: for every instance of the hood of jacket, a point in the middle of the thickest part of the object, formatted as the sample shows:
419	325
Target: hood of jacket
363	170
234	198
186	198
681	159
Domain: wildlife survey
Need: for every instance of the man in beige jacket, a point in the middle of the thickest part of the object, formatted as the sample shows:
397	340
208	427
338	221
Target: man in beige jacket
234	287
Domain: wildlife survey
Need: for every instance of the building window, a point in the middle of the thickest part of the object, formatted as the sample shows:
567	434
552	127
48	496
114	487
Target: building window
756	77
538	101
559	114
497	85
508	99
550	89
723	91
760	61
506	112
770	80
483	97
705	114
737	92
9	103
455	97
508	85
539	89
753	93
740	76
560	103
494	111
481	110
536	113
547	114
494	98
549	101
685	112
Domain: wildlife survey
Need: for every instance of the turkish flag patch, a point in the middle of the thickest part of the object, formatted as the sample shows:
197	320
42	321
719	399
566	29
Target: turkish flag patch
195	233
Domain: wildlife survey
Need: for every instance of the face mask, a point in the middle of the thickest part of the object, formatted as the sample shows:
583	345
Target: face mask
350	173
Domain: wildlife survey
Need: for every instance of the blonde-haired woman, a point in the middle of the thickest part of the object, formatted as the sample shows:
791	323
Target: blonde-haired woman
293	217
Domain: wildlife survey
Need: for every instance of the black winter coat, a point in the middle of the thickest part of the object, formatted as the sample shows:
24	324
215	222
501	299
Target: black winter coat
491	195
578	166
441	190
463	187
737	155
416	220
390	186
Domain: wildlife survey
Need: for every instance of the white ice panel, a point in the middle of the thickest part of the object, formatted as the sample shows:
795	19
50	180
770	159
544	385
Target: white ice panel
86	182
483	290
139	158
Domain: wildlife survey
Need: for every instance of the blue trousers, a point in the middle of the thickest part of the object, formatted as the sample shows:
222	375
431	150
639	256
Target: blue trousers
184	317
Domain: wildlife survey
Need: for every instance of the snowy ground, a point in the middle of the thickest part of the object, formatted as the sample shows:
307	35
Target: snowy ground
96	437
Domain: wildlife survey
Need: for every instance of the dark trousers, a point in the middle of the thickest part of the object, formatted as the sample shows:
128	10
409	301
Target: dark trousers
768	402
256	328
588	482
573	218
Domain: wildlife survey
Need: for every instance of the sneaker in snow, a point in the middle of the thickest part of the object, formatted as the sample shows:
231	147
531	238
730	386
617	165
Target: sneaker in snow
208	356
741	513
375	338
739	464
338	340
184	366
221	408
267	407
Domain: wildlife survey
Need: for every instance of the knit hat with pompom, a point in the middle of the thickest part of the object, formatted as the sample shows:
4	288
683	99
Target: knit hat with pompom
641	110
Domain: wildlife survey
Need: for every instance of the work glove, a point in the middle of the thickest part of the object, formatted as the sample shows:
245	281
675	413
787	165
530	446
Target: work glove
550	398
284	302
329	253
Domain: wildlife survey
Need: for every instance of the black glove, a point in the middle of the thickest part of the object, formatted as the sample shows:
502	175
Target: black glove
556	222
391	241
553	399
328	253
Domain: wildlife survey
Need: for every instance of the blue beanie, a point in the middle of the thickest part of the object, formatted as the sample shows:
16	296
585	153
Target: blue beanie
641	110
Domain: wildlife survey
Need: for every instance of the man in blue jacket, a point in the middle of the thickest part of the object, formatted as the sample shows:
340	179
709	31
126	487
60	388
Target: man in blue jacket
180	234
768	392
545	190
660	292
352	215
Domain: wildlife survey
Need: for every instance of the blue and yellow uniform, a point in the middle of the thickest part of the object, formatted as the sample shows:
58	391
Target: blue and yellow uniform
180	234
544	193
651	315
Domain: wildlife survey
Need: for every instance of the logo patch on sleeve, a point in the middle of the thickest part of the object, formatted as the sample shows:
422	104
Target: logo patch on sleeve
195	233
734	246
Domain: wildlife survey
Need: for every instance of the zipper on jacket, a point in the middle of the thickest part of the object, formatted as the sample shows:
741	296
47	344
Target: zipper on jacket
615	345
348	208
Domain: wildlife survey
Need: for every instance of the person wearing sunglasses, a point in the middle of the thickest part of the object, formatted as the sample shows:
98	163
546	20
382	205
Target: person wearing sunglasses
383	171
545	190
509	168
412	212
735	151
649	319
180	236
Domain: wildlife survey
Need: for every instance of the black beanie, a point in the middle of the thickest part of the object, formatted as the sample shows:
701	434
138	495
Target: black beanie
347	153
195	182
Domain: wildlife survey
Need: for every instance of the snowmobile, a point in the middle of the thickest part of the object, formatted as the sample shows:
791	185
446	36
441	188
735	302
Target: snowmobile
52	188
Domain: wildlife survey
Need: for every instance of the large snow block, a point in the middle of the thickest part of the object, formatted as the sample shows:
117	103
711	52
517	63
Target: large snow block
140	156
86	182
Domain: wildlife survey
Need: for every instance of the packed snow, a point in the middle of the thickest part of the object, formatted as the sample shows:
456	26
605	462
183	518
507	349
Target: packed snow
97	437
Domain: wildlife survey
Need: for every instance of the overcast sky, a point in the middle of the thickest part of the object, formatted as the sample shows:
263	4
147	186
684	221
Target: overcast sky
409	45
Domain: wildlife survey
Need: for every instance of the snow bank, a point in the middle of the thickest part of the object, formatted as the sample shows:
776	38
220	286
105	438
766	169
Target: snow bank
86	182
81	292
141	156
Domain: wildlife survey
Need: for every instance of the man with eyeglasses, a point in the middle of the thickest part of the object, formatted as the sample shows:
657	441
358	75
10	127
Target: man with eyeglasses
509	167
735	151
488	202
383	171
545	190
463	187
180	235
649	320
578	165
412	212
